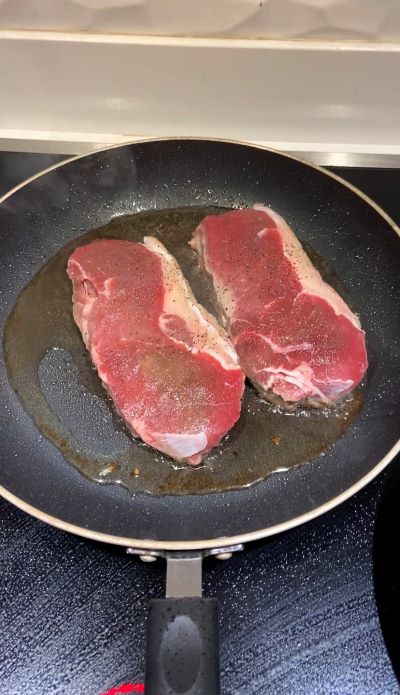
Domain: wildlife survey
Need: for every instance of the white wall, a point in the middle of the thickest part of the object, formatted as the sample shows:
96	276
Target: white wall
344	19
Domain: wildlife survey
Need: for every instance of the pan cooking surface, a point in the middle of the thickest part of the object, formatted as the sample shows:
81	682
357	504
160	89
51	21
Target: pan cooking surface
52	373
362	249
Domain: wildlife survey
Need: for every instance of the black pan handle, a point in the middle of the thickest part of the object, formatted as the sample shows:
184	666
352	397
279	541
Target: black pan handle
182	654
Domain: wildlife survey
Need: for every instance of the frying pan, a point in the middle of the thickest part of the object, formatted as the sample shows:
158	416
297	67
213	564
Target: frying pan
341	225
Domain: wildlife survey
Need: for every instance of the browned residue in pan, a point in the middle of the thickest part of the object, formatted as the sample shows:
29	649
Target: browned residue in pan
53	376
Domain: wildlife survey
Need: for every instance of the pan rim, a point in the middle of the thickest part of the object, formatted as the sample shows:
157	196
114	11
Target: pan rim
151	544
189	138
219	542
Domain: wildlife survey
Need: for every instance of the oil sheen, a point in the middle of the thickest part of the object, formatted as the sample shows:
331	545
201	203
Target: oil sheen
52	374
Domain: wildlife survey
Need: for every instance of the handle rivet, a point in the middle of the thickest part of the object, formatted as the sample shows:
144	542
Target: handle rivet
223	556
148	558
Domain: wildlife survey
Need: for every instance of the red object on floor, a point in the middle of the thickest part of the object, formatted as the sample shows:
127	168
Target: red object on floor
126	688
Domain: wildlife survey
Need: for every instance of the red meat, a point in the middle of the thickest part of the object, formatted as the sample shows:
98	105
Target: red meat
168	366
295	336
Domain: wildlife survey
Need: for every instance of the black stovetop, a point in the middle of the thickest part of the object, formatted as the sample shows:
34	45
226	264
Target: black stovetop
300	614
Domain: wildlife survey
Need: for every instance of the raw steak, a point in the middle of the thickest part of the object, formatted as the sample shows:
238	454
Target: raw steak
295	337
171	371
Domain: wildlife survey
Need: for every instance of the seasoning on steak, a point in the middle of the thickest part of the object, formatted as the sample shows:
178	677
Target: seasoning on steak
170	369
295	336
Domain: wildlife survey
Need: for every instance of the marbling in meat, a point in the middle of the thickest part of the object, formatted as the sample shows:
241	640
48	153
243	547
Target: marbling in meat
295	336
168	366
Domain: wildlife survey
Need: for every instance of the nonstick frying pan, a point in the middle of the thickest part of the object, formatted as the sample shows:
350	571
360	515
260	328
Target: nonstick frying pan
343	227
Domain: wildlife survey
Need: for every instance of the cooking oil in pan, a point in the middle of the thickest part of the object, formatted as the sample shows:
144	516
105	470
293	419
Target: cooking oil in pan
51	371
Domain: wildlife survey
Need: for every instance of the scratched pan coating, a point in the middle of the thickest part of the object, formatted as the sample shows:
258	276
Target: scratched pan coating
51	371
360	245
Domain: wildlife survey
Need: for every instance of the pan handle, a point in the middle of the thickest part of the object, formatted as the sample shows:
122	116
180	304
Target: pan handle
182	655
